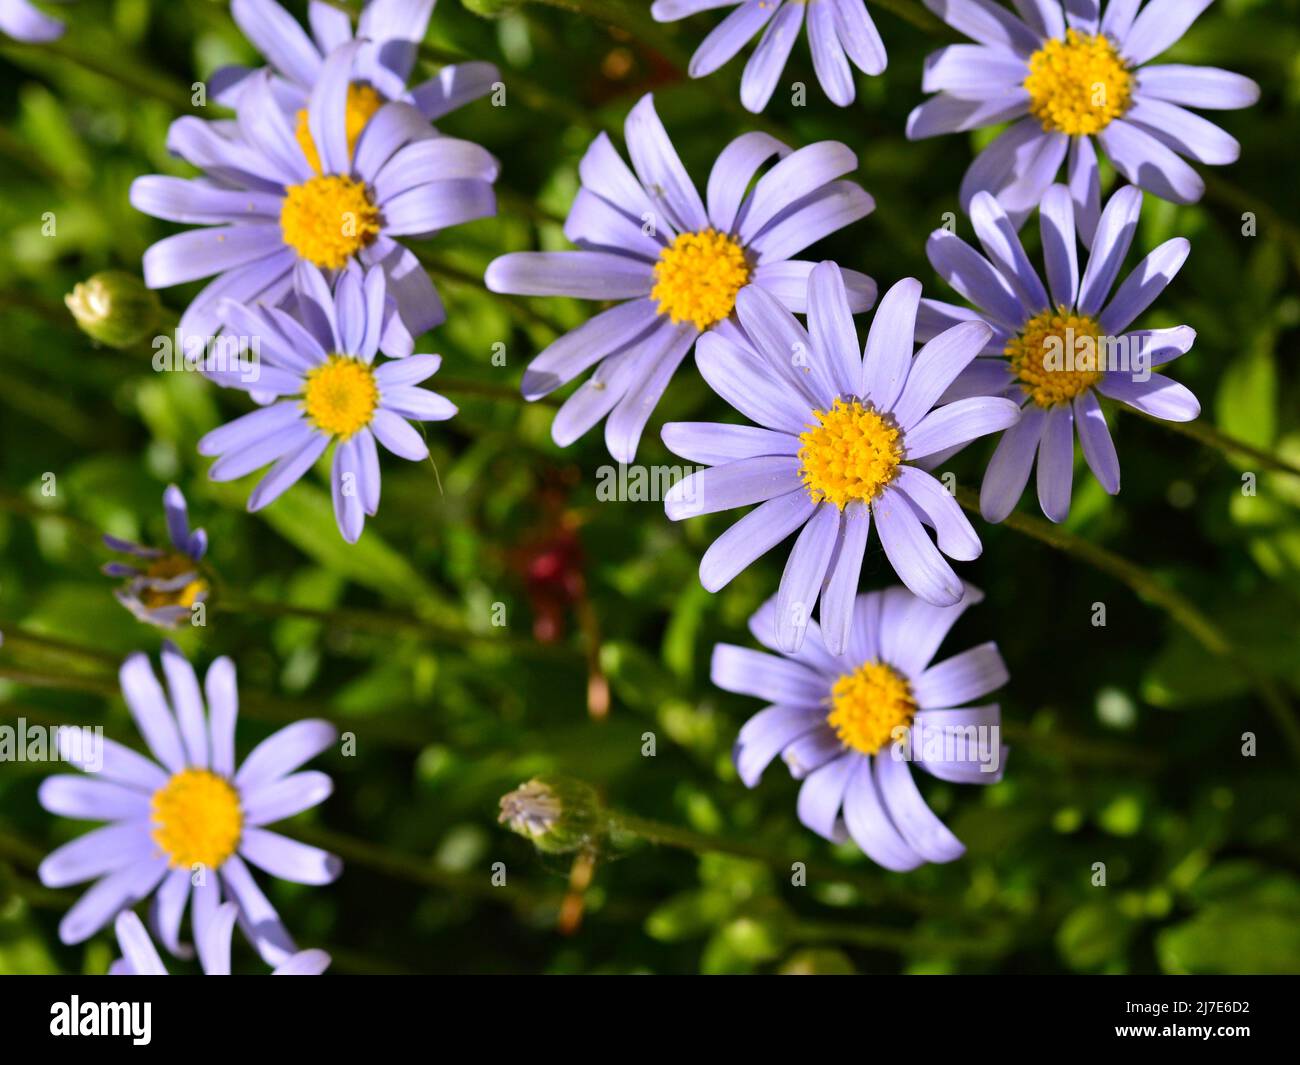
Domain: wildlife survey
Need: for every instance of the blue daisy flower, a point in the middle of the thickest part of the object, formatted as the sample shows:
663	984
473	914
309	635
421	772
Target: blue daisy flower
162	586
839	32
271	199
319	370
1066	75
849	724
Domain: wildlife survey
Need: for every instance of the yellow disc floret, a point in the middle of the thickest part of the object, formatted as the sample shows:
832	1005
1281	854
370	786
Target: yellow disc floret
196	819
341	396
868	705
852	453
1079	85
1056	356
168	568
327	220
697	277
363	102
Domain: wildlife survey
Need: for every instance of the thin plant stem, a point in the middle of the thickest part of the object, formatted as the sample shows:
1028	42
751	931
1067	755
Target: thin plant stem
873	892
1180	609
1212	438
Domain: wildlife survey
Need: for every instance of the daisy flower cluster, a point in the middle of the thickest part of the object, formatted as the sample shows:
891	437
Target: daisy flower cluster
299	222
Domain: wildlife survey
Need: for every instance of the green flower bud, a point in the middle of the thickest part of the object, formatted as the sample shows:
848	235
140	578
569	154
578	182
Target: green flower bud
559	815
115	308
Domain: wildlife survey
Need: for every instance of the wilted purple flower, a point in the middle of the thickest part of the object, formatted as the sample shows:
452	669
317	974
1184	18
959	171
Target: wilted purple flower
841	439
391	31
23	22
163	586
1075	75
649	240
319	366
847	725
184	825
267	202
1054	348
140	957
838	31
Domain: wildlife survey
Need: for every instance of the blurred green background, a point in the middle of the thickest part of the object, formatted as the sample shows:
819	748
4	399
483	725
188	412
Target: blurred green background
1126	739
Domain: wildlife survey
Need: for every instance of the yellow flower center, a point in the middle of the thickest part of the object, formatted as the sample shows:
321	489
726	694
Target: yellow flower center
363	102
341	396
868	705
197	819
327	220
851	454
1079	85
1056	356
697	277
165	569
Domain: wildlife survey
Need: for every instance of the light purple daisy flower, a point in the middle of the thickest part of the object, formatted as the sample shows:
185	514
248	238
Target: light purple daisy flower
838	31
140	957
1055	347
840	439
1064	74
23	21
265	205
676	267
163	586
848	724
392	31
182	826
319	367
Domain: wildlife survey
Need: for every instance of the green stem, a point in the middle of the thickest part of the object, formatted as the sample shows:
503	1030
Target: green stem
872	890
1180	610
131	73
1210	437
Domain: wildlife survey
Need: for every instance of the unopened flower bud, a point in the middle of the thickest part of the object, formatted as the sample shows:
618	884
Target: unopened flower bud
559	816
114	308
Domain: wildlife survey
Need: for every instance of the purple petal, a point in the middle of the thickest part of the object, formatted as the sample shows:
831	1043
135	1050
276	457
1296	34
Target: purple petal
972	275
753	536
961	678
1110	244
959	423
939	510
1186	133
917	824
859	36
1161	23
822	794
801	580
1208	88
1148	163
733	171
767	733
1098	448
282	753
869	824
660	170
1160	397
288	859
1002	245
144	698
737	484
584	274
730	36
1060	254
1148	279
764	676
713	444
936	366
1056	462
829	61
764	67
914	557
840	593
109	897
888	354
1008	469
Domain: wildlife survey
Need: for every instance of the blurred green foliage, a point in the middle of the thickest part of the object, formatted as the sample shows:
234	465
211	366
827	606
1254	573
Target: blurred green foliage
1127	740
